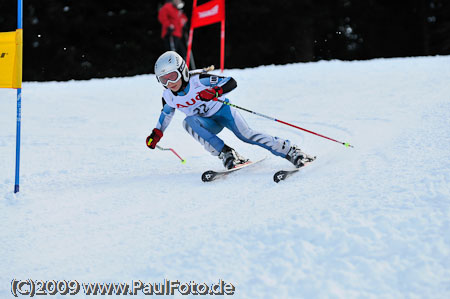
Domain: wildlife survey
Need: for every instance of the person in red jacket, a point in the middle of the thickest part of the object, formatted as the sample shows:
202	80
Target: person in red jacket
173	20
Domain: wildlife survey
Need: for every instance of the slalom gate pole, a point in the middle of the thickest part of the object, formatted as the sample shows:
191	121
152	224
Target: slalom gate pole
173	151
283	122
19	103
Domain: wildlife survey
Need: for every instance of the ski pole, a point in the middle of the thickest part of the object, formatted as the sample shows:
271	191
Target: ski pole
173	151
283	122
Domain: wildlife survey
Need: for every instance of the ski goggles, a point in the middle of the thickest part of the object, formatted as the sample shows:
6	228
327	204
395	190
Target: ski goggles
169	77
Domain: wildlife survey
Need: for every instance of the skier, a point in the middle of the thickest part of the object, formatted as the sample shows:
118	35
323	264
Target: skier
194	95
173	21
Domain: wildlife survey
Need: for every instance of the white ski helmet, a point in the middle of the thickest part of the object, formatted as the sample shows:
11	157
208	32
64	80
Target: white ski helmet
168	63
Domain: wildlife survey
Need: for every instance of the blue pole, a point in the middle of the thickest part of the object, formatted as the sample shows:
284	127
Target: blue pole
19	104
19	107
19	14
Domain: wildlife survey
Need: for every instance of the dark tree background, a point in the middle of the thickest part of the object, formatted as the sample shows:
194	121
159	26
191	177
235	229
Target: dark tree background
73	39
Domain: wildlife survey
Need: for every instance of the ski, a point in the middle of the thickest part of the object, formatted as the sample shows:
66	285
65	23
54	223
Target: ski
211	175
281	175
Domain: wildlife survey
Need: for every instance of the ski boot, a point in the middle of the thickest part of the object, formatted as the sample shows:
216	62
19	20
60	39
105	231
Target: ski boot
297	157
231	158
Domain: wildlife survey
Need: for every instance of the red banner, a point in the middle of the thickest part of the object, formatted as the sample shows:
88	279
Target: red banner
208	13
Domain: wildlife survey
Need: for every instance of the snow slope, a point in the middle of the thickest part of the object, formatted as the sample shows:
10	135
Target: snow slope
370	222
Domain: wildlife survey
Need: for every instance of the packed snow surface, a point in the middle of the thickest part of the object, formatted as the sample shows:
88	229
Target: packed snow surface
373	221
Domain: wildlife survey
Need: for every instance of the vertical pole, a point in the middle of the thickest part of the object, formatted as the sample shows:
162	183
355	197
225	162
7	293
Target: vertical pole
19	107
191	34
222	38
19	14
188	55
222	46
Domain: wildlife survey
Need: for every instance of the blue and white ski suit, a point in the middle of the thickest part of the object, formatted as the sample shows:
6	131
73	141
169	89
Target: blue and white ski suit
205	119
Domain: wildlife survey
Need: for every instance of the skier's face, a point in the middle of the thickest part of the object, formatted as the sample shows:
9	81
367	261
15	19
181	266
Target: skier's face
174	86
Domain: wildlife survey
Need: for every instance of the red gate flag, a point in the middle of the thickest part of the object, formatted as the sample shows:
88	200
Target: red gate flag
207	14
